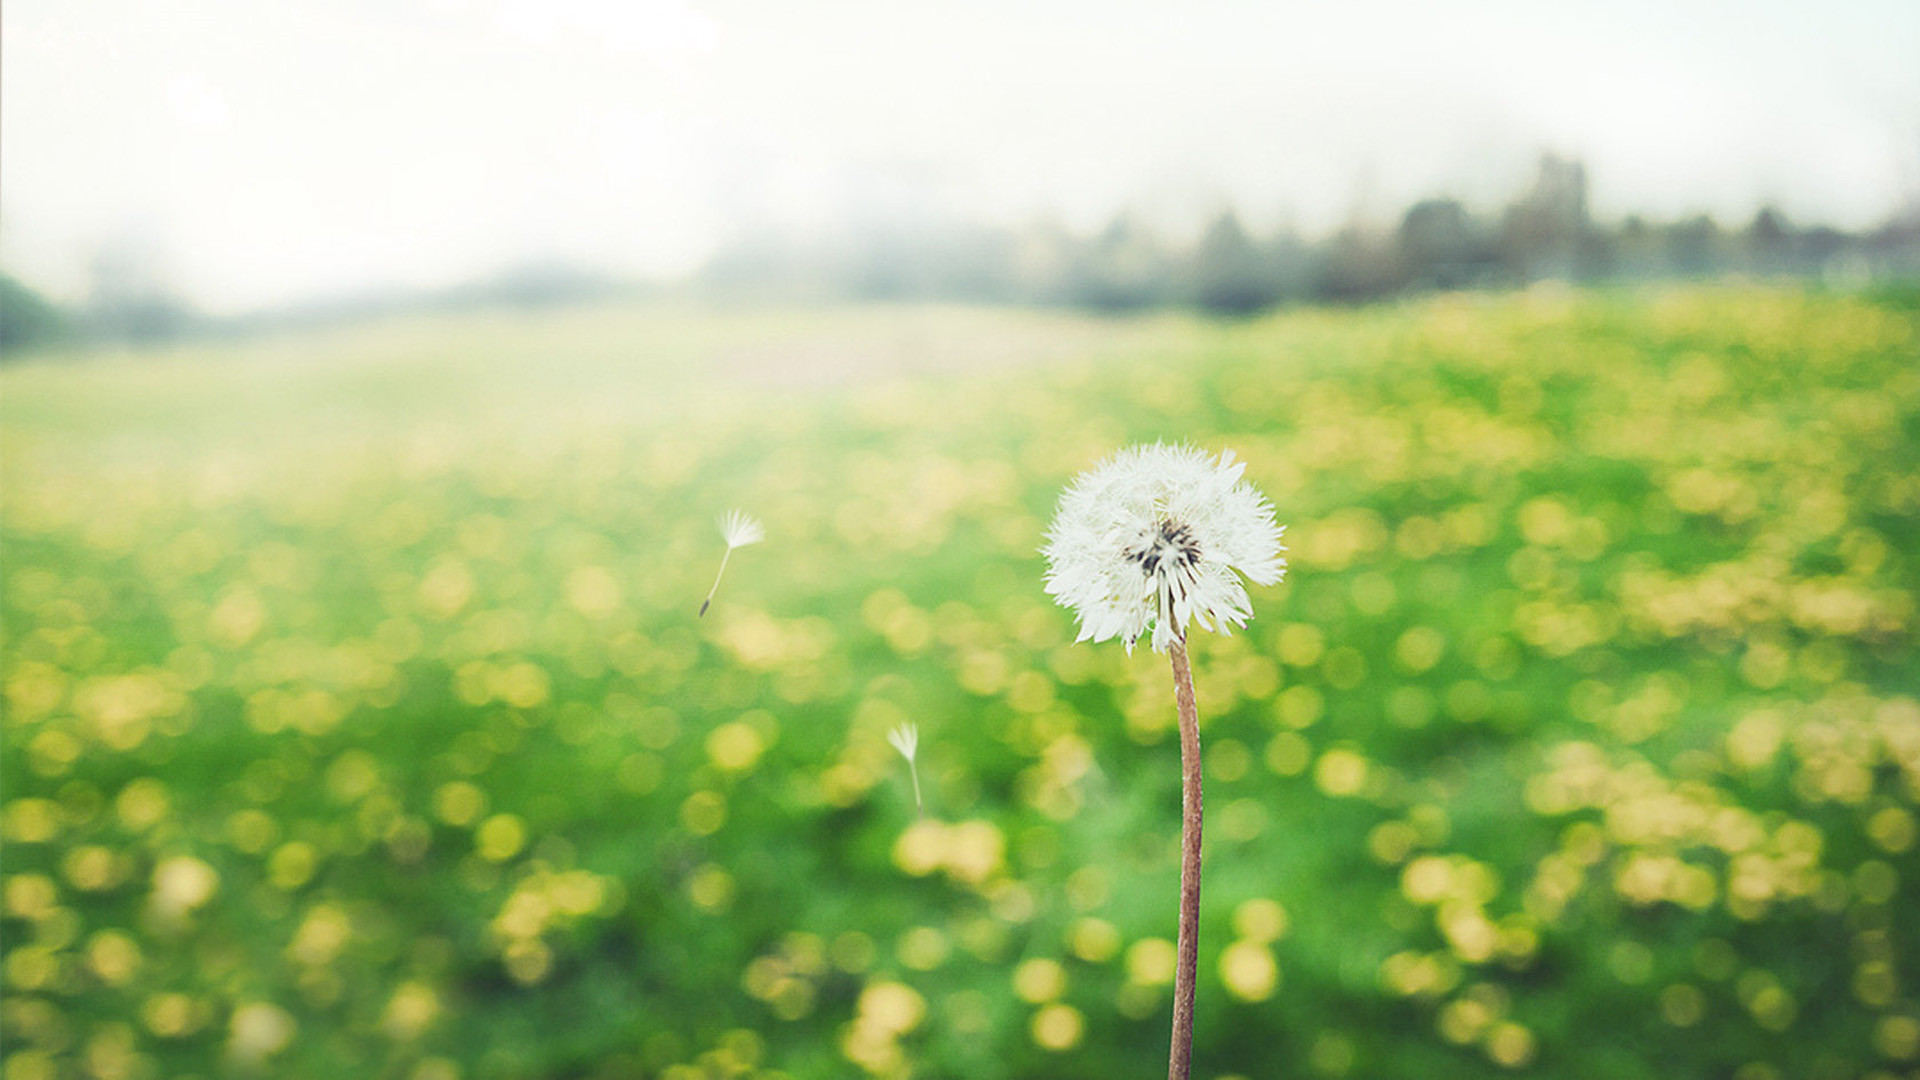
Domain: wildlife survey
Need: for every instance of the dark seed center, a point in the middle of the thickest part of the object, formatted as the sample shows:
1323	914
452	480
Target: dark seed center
1172	540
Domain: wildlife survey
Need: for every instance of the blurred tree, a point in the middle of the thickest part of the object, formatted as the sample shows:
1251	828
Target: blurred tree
1441	247
1546	229
1769	242
1122	269
1822	245
1692	246
1229	275
130	298
1637	250
27	319
1290	261
1357	264
1894	247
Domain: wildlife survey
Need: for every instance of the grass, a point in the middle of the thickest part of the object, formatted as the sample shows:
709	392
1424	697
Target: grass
358	723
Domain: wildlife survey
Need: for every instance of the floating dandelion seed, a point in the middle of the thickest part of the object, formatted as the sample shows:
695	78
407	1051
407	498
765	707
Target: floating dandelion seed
906	739
1158	536
739	530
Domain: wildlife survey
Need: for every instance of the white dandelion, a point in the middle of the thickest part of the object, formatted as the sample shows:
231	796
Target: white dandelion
906	739
738	530
1160	536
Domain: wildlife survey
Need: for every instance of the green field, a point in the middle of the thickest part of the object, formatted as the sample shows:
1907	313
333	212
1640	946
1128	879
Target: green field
358	723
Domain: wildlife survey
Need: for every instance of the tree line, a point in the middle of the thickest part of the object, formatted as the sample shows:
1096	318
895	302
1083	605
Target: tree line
1546	232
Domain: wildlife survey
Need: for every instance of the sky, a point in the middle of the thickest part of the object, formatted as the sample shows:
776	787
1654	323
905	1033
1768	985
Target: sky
260	154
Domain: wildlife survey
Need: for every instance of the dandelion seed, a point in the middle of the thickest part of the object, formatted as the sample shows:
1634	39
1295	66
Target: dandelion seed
1158	537
906	739
738	530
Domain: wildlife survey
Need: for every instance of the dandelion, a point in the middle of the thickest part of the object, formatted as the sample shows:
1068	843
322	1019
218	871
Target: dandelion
1153	537
1157	538
906	739
739	530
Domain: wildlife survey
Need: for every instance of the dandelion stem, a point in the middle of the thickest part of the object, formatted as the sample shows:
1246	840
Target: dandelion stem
914	771
1180	1060
716	581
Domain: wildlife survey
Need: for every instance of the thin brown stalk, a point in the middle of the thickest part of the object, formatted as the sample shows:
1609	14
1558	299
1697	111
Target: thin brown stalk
1180	1060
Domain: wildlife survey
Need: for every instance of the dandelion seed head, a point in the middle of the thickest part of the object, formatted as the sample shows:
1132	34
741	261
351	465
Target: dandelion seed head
906	739
1158	537
740	529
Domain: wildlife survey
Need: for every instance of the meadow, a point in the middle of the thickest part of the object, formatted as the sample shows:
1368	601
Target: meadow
358	721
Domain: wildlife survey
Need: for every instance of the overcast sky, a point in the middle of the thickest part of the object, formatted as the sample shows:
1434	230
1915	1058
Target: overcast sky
267	152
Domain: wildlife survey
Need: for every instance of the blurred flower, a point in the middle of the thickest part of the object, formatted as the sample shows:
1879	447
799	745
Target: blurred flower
258	1031
1153	536
738	529
181	884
